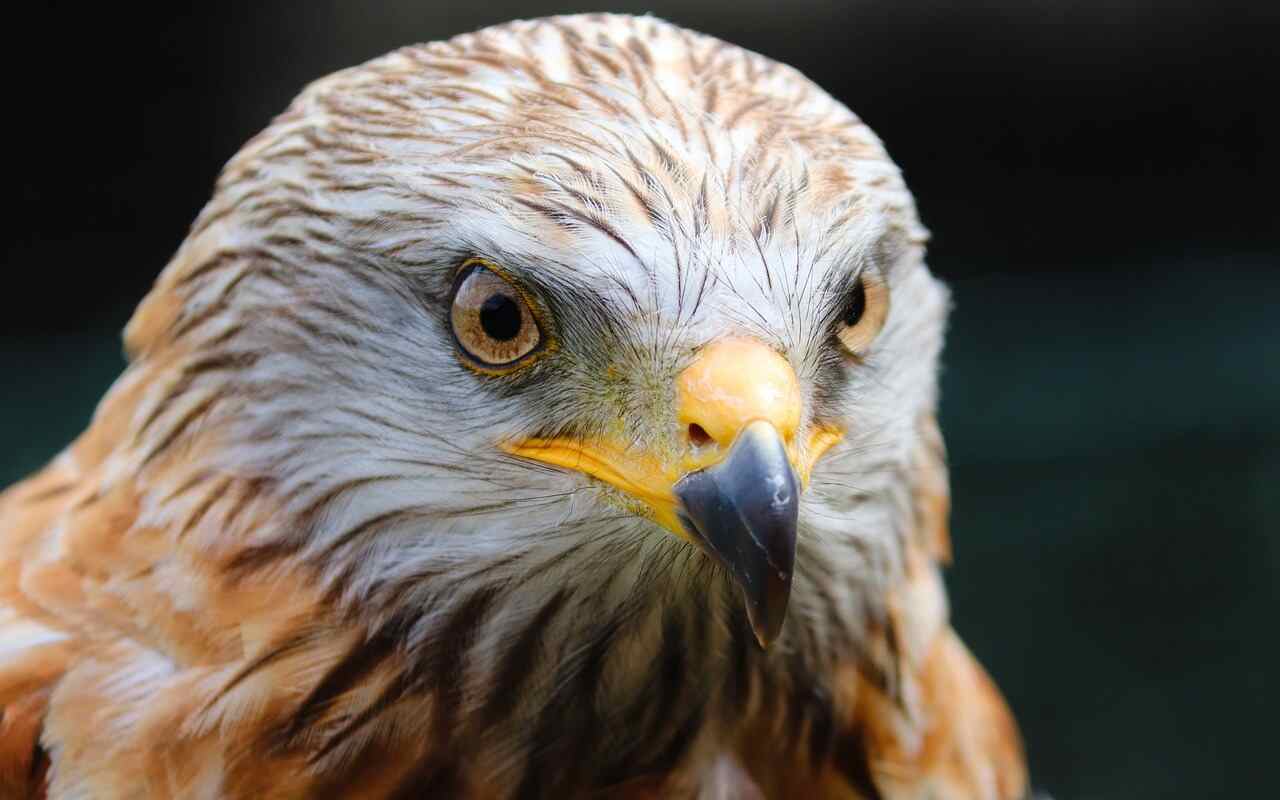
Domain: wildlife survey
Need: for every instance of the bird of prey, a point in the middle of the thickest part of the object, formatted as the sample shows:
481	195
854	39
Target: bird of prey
546	412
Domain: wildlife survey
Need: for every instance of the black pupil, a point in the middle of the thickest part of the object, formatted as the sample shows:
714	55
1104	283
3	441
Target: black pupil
500	317
857	305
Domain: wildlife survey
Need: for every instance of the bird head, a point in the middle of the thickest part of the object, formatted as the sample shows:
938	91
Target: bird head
592	309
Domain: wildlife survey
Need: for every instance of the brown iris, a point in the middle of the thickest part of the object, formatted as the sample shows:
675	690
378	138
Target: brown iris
491	319
863	316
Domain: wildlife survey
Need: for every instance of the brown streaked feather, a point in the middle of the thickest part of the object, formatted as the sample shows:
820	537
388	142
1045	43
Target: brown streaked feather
916	715
23	762
947	733
931	491
965	743
114	591
171	627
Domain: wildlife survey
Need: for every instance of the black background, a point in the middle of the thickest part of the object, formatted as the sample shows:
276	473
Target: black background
1100	178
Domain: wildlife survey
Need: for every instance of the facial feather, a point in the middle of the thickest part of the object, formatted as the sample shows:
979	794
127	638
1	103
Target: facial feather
295	412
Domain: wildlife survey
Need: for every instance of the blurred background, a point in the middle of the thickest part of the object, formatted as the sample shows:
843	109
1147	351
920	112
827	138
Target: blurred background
1100	179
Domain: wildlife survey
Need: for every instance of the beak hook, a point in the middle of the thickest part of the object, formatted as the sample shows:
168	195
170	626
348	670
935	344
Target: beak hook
745	511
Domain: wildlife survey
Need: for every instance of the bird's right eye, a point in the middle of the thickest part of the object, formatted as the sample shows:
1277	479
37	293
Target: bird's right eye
863	315
493	322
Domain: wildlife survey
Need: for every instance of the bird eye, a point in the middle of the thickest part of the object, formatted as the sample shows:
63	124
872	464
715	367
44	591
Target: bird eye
492	321
863	315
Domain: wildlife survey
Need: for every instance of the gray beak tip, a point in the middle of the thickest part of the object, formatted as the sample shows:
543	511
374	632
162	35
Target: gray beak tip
767	609
745	511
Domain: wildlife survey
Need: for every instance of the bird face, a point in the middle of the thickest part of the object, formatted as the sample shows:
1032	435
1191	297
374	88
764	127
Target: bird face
723	461
547	411
539	335
691	393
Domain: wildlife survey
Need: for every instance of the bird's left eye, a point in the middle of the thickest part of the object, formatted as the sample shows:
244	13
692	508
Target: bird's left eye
494	326
863	315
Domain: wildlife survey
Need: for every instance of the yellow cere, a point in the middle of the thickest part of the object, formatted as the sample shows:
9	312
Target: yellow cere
732	382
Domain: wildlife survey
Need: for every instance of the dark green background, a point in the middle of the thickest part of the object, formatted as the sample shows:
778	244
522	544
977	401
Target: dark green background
1100	181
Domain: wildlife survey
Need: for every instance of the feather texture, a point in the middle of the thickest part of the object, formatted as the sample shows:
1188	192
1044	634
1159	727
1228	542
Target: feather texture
287	559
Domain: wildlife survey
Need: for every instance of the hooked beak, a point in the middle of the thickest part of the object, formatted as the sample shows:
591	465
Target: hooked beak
732	483
744	510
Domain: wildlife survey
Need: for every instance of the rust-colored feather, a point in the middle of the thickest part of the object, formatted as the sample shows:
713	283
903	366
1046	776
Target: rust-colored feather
266	570
940	729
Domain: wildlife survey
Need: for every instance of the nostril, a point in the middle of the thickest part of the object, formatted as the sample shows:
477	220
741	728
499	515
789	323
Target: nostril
699	436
